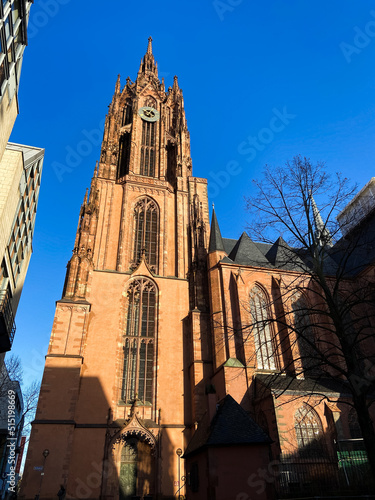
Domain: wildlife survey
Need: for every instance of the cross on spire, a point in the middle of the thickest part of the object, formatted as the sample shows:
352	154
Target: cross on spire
149	47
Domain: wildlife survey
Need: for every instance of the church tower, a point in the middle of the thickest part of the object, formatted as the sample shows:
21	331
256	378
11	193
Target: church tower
124	378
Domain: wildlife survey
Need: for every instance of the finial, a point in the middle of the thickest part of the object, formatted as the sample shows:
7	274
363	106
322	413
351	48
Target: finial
213	206
175	82
128	80
86	195
96	169
149	47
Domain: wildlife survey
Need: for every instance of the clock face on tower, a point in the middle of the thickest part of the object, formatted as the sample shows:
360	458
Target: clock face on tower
149	114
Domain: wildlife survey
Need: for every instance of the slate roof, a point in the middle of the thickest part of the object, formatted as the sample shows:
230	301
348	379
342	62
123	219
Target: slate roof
229	243
284	383
246	252
280	255
355	250
230	426
216	241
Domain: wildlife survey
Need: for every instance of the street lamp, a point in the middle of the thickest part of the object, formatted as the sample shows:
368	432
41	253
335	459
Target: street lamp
45	455
179	453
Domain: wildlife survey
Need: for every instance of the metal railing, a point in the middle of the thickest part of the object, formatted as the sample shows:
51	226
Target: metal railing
345	472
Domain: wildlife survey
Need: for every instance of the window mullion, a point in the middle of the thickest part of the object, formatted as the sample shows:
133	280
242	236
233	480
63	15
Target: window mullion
139	339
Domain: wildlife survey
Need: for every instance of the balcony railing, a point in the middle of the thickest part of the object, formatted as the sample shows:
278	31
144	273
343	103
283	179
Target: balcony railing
7	323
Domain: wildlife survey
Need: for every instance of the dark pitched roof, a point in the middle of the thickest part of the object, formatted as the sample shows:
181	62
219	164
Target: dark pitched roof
330	267
356	249
246	252
229	243
281	255
285	383
230	426
226	260
216	241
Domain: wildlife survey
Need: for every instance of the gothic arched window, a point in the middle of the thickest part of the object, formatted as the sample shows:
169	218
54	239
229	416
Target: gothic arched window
262	330
354	428
127	113
146	231
309	357
148	152
309	430
139	342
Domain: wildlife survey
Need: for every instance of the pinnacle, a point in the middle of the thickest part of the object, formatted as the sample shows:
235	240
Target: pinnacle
175	83
149	46
118	84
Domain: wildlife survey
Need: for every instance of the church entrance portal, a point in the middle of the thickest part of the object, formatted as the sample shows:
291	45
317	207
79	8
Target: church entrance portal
136	470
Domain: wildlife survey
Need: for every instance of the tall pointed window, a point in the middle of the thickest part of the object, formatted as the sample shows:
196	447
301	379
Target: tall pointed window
146	230
124	155
262	330
309	431
148	149
309	356
354	427
139	342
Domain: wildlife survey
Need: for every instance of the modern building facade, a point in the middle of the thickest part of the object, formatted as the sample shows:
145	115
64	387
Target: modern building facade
14	16
153	385
20	171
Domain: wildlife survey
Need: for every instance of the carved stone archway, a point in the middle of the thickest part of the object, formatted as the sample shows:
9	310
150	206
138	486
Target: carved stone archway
134	451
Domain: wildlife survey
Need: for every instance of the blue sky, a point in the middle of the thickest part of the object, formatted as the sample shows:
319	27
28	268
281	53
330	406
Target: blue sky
262	82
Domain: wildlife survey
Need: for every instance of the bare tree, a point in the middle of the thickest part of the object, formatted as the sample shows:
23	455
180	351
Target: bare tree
13	372
328	329
30	403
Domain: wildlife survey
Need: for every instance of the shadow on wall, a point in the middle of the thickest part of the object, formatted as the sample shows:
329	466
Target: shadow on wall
319	462
76	433
91	455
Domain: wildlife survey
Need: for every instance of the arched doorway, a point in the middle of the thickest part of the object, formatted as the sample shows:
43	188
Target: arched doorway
136	469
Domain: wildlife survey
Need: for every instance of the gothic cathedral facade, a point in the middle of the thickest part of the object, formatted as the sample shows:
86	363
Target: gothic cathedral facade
113	383
153	386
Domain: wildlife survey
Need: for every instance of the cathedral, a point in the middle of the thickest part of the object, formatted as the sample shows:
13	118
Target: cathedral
149	390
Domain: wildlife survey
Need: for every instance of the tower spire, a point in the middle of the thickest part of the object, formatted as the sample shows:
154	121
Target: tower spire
148	65
322	234
216	240
149	46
